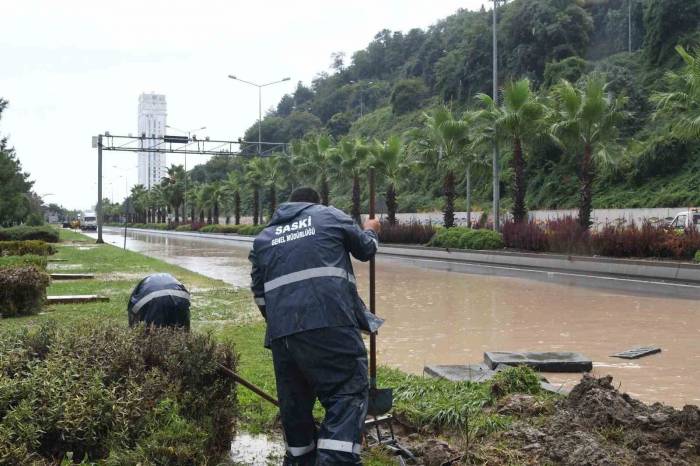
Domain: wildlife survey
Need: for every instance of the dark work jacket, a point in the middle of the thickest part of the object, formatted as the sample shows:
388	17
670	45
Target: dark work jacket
302	276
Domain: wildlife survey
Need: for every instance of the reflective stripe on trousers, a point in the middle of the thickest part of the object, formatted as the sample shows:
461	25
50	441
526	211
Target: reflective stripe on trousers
339	445
301	451
307	274
158	294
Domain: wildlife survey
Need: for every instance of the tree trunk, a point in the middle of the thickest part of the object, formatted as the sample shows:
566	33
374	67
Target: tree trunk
519	210
192	214
237	207
587	176
216	212
468	175
273	200
256	199
177	213
325	195
228	219
448	211
391	205
201	215
355	214
209	216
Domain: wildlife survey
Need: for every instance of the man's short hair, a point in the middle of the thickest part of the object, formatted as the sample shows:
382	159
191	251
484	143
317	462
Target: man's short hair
305	194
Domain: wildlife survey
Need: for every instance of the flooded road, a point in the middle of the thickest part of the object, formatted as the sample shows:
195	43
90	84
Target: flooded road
441	317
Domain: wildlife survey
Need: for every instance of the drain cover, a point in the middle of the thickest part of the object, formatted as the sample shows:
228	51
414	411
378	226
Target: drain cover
635	353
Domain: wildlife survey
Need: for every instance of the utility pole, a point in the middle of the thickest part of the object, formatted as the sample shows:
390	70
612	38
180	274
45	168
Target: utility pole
496	162
99	190
259	86
629	26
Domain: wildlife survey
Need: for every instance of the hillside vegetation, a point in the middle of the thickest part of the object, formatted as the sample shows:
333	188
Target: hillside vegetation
388	88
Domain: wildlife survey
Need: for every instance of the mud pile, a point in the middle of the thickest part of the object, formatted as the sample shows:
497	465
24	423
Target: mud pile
597	425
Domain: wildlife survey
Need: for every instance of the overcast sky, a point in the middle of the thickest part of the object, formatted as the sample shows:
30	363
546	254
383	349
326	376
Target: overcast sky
73	69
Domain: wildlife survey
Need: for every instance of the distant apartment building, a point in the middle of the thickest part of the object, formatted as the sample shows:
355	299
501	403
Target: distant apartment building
152	121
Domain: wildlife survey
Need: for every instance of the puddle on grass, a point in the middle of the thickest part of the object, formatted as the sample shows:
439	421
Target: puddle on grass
60	266
257	450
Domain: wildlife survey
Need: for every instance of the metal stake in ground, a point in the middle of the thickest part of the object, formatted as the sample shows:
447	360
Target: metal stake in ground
380	400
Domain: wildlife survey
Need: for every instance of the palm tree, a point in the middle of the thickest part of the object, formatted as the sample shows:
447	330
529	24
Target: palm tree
255	177
311	157
173	186
200	200
276	167
348	160
192	192
585	121
682	102
139	199
518	120
389	158
443	140
232	190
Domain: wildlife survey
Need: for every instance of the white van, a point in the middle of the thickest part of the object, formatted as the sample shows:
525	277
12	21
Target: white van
89	221
687	219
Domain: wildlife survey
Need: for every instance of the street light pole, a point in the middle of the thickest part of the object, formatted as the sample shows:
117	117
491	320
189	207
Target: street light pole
496	168
259	86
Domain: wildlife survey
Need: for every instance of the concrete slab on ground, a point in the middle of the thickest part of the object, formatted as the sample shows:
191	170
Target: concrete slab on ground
550	361
639	352
72	276
460	372
76	299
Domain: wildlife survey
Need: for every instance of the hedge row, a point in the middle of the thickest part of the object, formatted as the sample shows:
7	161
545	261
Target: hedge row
114	396
22	291
28	259
21	248
251	230
467	238
23	232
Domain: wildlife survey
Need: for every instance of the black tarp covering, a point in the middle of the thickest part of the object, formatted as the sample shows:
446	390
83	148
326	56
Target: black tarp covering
160	300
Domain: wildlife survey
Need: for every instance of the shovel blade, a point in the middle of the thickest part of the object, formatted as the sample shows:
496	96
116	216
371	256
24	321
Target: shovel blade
381	400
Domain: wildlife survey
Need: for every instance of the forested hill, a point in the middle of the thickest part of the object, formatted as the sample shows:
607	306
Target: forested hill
387	87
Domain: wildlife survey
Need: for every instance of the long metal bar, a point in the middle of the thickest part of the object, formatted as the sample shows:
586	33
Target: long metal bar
99	190
372	300
257	390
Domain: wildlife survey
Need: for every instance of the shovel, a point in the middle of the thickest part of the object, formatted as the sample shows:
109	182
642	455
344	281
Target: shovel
380	400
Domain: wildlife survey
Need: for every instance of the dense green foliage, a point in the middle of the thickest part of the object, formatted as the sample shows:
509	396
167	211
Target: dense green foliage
22	290
23	233
467	238
20	248
386	89
109	393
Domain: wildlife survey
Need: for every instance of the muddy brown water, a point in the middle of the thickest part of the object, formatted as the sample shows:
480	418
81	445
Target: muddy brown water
442	317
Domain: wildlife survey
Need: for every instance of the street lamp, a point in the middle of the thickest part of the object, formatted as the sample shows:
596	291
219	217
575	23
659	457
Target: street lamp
259	86
362	93
189	133
496	167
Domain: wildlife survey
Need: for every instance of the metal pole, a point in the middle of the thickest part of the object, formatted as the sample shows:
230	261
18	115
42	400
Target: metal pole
496	176
629	26
184	208
372	302
99	190
259	120
126	212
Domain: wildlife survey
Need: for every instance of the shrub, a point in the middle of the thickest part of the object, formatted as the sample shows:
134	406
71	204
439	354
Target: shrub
22	290
519	379
39	262
566	235
467	238
23	232
250	230
406	233
114	395
185	227
20	248
524	235
221	228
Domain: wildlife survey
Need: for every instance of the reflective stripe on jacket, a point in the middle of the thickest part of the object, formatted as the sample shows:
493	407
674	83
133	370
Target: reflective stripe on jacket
302	273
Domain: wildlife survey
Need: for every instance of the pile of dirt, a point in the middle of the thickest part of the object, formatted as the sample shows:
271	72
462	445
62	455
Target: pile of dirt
597	425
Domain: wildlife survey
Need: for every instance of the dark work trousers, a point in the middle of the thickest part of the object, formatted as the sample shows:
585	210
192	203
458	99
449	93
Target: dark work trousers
331	364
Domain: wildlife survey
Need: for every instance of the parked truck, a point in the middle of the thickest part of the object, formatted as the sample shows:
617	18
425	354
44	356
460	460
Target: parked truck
89	221
686	219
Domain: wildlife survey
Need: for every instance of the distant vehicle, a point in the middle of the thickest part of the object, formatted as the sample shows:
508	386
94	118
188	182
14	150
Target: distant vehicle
686	219
89	221
65	225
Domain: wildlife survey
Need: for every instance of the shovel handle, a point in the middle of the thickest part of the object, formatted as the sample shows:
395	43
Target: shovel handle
258	391
372	302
